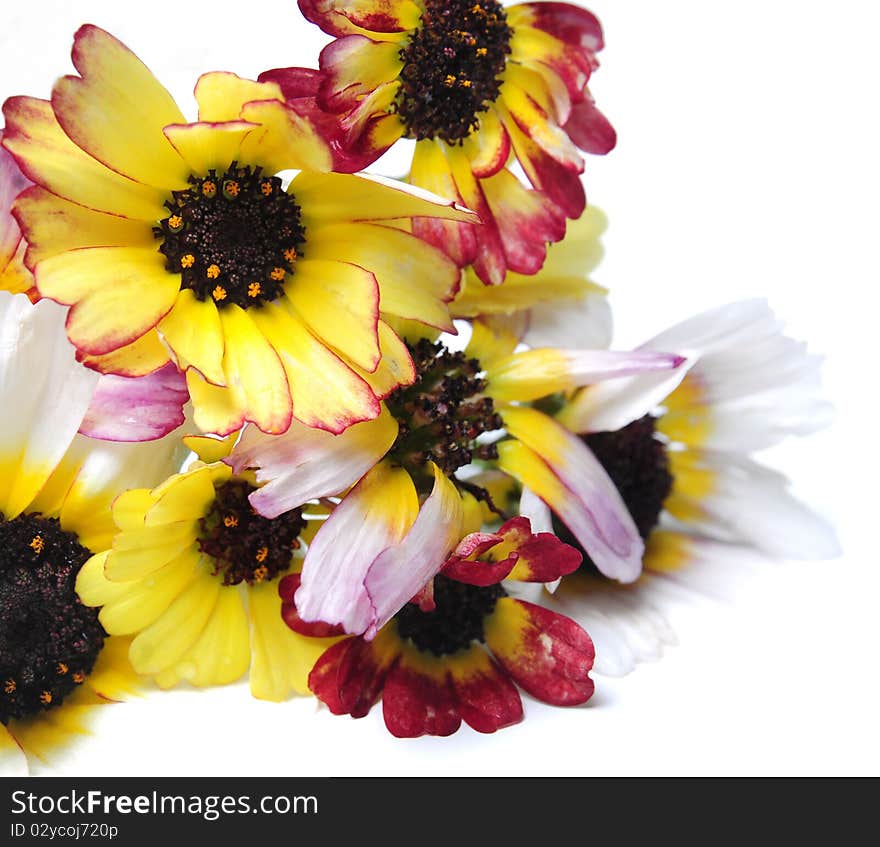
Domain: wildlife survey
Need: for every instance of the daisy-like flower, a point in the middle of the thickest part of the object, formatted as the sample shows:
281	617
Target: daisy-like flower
14	276
191	576
475	85
56	661
679	450
163	235
462	407
454	652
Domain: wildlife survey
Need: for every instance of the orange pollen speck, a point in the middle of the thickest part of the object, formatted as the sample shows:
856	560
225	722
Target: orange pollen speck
482	51
266	188
277	274
261	573
37	544
290	254
187	260
262	553
61	668
175	222
230	521
9	686
219	293
449	81
254	289
231	188
46	698
209	189
79	677
466	83
213	271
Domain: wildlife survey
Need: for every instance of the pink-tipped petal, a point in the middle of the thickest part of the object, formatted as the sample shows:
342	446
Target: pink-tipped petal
568	23
590	129
400	571
137	408
306	463
12	181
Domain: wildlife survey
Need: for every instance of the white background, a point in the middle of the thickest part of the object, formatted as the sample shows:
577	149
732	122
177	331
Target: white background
747	165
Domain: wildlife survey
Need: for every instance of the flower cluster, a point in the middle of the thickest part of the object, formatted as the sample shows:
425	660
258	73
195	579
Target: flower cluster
342	435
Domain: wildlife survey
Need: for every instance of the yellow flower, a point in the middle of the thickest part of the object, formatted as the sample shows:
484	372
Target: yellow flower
191	575
475	85
56	662
166	235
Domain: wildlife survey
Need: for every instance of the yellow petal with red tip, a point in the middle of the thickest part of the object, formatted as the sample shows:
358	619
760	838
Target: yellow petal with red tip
49	158
396	258
340	303
251	364
284	139
54	225
208	145
221	95
139	358
326	393
215	408
222	652
331	198
395	367
193	331
281	659
116	111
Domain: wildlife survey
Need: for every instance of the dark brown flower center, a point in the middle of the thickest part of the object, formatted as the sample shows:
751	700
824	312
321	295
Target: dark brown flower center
232	238
451	67
49	641
637	462
457	621
442	414
245	546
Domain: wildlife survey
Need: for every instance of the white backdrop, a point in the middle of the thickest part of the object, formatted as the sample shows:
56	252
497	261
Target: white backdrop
746	165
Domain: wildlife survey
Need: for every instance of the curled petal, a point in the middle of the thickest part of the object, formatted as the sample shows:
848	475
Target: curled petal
136	409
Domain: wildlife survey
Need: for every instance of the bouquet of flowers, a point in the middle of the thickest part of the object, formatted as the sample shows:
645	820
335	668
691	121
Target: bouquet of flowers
266	416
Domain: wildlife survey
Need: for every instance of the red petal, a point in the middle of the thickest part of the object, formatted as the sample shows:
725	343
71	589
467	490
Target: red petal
547	654
287	588
294	82
570	24
589	128
349	675
479	573
487	699
335	19
542	557
415	703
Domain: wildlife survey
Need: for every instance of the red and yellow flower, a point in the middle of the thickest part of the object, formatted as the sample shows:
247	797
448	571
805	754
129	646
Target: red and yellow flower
459	649
475	85
170	239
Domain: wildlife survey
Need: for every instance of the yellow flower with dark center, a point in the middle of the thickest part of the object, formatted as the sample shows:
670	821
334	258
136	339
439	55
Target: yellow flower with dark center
475	85
192	575
163	235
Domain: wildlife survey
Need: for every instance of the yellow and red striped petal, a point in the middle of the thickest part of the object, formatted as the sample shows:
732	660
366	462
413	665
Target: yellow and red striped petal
206	145
485	697
49	158
351	16
547	654
488	149
395	368
116	110
284	139
352	67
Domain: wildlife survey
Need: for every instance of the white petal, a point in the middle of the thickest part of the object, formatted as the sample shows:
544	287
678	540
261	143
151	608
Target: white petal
44	394
306	463
578	324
